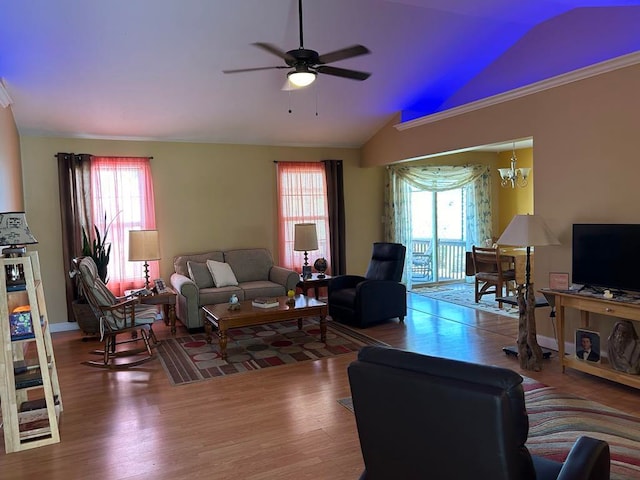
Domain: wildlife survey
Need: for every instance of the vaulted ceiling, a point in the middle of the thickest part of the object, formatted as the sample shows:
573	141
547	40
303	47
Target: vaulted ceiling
152	69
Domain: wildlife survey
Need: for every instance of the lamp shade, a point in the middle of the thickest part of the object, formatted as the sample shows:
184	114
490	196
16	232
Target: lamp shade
527	231
306	238
14	229
143	245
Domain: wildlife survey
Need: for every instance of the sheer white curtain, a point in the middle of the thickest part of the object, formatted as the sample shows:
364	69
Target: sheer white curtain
401	178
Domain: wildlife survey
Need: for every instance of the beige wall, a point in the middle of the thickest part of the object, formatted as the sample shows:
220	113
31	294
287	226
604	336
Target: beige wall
11	197
208	196
585	144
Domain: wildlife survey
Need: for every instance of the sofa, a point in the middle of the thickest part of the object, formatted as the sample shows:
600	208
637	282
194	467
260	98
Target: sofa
213	277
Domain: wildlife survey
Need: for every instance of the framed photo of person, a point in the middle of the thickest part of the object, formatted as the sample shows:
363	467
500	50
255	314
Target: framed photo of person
587	345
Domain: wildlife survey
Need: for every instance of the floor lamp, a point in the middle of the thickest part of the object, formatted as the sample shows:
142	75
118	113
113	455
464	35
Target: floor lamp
144	246
528	231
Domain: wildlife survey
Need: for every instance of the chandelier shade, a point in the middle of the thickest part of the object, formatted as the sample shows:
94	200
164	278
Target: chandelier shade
513	176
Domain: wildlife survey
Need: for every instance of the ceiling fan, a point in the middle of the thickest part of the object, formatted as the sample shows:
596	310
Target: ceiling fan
306	64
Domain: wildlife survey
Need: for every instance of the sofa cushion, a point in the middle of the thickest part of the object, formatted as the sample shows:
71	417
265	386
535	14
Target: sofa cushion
180	262
200	274
261	288
222	274
250	264
211	296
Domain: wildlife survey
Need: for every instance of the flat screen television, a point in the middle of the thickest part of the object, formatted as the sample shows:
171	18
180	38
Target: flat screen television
606	256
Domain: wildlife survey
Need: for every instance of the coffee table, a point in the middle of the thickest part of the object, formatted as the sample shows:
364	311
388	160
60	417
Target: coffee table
220	317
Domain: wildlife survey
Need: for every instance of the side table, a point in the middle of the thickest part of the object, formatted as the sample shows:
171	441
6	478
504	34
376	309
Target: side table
316	282
168	301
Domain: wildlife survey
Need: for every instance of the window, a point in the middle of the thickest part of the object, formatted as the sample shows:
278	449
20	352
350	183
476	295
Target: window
121	189
302	198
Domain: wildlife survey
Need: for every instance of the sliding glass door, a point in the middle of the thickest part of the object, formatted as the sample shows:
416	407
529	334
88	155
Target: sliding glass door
439	236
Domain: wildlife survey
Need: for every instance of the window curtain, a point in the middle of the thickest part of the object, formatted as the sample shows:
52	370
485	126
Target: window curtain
400	180
335	203
122	189
302	198
74	178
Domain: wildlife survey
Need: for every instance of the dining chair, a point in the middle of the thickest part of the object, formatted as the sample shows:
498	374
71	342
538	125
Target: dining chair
490	272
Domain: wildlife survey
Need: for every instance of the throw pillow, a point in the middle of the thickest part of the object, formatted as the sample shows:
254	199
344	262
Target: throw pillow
222	274
199	273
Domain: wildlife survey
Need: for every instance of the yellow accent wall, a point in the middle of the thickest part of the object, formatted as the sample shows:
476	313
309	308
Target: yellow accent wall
514	201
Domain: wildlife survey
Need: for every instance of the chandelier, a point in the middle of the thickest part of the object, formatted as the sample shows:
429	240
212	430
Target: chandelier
514	176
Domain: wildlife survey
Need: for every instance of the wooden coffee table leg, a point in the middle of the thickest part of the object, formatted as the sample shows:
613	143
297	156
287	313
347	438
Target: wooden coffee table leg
300	324
207	330
323	328
222	335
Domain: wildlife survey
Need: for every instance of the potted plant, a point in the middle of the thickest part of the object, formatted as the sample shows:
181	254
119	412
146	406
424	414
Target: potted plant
100	251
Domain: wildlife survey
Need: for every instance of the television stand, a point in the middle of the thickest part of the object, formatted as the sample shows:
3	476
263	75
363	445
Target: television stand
587	303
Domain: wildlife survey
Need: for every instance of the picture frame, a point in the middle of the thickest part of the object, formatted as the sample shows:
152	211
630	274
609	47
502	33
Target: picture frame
306	272
587	351
160	286
559	281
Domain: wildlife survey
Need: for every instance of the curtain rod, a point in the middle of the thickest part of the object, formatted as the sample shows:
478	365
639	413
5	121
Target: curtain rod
56	156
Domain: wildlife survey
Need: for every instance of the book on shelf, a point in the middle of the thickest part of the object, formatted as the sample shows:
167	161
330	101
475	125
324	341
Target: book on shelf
31	378
21	366
265	302
35	423
37	404
20	325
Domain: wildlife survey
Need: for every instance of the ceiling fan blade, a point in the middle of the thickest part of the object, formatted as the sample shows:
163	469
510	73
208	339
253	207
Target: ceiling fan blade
343	72
240	70
343	53
275	51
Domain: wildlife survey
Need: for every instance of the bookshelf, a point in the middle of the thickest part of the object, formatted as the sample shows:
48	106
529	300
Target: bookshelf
29	388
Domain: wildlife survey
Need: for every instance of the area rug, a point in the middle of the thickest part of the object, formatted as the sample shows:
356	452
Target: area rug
557	419
463	294
191	359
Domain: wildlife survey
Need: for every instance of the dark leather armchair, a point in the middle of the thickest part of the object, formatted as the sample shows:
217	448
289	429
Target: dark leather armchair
426	417
378	296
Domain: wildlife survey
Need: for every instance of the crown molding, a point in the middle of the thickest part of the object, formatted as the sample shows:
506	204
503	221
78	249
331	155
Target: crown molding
5	99
574	76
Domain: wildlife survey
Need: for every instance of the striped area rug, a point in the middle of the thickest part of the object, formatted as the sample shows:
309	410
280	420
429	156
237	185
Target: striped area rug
191	359
557	419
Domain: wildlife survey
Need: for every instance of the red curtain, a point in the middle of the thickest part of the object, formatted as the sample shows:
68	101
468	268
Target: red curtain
122	188
302	198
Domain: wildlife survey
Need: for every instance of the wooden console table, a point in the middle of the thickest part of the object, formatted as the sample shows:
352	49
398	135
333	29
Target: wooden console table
596	304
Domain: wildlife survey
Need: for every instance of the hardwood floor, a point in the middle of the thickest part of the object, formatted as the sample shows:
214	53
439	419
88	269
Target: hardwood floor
282	422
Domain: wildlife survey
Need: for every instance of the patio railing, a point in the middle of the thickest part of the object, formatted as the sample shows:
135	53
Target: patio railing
450	261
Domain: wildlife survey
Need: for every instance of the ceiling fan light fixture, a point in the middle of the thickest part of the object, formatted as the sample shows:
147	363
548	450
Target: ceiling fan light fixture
301	78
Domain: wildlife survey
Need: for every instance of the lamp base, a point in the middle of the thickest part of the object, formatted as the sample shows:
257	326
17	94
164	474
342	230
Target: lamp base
513	352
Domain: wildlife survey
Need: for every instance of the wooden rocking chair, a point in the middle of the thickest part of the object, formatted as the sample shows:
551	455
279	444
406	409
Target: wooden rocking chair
117	316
